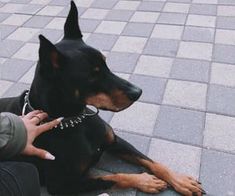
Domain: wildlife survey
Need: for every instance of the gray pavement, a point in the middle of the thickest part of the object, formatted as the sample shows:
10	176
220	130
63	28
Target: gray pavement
182	54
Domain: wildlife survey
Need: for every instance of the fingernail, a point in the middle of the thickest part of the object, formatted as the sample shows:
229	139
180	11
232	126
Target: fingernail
49	156
203	192
60	119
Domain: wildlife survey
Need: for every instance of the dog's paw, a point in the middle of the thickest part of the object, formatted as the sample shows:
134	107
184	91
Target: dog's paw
186	185
149	183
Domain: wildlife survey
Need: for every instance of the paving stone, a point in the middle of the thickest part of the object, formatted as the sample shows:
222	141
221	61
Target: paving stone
185	94
28	52
4	85
138	29
56	23
206	2
172	18
123	75
225	22
195	50
166	192
110	27
23	34
167	31
3	16
219	132
217	173
224	53
6	30
127	5
154	66
151	6
226	2
106	115
199	34
85	36
51	34
16	19
93	13
87	25
226	10
162	47
221	100
14	69
38	21
65	11
2	60
139	118
203	9
223	74
180	1
225	36
153	88
146	17
82	3
201	20
113	164
41	2
106	4
16	89
101	41
59	2
50	10
193	70
28	77
9	47
119	15
30	9
180	125
179	157
122	62
129	44
176	7
20	1
11	8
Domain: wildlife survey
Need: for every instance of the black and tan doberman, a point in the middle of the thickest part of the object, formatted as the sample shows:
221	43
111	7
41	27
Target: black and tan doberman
69	76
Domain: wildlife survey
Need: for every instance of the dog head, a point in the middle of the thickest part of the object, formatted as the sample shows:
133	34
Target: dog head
80	72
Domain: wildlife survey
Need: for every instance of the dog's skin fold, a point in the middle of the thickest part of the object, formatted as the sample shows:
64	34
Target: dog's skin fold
70	75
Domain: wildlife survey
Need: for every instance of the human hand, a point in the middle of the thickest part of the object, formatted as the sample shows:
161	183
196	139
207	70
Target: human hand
34	129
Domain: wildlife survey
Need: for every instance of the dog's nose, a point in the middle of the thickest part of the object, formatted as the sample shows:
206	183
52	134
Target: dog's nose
134	93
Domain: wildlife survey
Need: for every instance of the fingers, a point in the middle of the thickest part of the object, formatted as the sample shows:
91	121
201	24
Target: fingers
31	114
43	154
47	126
36	119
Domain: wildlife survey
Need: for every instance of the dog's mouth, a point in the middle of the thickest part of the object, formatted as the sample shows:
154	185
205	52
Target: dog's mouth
115	101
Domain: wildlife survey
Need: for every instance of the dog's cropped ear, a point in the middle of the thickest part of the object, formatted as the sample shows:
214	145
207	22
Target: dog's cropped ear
71	27
50	58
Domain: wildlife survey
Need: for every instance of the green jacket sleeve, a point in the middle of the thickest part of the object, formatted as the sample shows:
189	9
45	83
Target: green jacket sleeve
13	135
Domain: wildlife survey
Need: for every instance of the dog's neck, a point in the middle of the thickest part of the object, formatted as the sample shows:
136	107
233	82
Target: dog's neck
44	96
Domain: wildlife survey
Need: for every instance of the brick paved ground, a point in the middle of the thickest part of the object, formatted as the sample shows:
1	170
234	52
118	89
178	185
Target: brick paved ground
181	52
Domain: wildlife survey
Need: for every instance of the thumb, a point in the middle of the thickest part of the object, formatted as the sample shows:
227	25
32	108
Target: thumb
43	154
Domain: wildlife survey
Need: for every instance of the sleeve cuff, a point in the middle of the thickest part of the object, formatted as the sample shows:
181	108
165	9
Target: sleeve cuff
18	135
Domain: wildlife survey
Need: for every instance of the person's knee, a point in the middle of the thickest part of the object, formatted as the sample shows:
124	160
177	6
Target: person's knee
24	176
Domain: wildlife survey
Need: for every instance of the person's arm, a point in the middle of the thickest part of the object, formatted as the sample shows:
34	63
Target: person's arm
13	135
18	133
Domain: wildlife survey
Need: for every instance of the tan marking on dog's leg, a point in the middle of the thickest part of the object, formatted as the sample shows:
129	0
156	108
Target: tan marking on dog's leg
143	182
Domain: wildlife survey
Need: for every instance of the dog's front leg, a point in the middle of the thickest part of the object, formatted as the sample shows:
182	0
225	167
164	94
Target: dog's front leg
144	182
181	183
